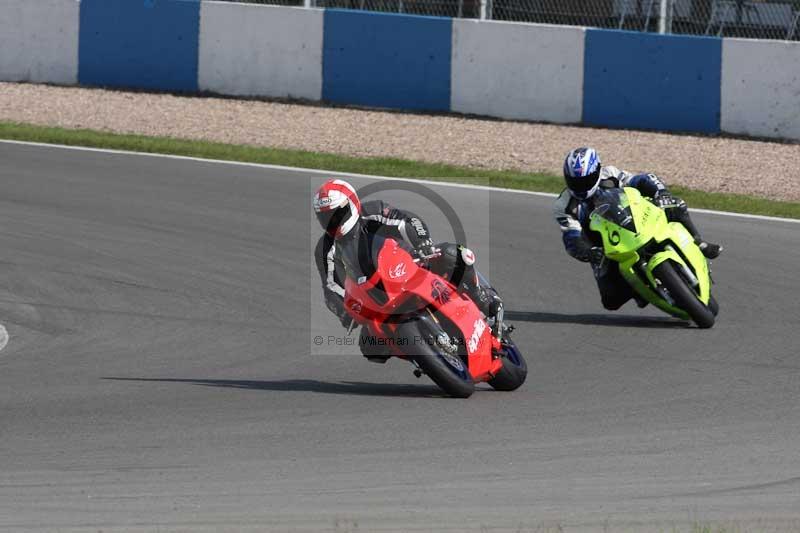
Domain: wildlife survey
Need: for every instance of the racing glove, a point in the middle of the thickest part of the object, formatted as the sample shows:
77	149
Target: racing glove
596	255
666	201
426	249
346	321
335	303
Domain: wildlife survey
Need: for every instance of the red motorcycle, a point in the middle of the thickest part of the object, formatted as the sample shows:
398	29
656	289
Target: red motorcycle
414	314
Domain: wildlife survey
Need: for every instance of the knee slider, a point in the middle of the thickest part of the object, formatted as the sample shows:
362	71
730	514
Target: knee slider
466	255
612	304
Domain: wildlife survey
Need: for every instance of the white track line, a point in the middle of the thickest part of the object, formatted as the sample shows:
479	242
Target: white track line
3	337
352	175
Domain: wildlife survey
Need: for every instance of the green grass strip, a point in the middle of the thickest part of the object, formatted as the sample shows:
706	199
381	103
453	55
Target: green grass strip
379	166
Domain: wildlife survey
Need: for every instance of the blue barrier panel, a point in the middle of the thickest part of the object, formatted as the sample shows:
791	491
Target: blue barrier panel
651	81
147	44
385	60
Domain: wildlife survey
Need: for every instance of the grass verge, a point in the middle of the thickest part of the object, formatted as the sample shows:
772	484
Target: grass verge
379	166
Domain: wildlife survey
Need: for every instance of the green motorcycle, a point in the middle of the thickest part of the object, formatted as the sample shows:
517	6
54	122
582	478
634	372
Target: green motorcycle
659	259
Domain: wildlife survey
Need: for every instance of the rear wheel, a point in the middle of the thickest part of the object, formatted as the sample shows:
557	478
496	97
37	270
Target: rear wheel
685	298
514	370
448	371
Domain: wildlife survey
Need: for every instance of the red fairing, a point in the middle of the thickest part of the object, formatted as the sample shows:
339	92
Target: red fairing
402	279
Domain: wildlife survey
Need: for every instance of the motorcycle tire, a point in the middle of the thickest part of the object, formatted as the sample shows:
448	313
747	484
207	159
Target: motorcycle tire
450	373
713	305
685	298
514	371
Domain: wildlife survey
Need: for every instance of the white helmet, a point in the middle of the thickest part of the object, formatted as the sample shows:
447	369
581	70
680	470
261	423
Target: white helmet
337	207
582	172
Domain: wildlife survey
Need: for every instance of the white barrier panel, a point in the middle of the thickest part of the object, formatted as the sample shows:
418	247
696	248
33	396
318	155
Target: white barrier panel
39	40
517	71
761	88
258	50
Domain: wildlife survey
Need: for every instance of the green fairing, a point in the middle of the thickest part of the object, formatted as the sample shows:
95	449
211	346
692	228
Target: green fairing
623	239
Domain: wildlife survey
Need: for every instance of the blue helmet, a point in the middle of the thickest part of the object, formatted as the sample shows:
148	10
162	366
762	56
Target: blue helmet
582	172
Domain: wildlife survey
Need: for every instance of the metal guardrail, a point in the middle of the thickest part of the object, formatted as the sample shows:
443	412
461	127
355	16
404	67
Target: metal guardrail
761	19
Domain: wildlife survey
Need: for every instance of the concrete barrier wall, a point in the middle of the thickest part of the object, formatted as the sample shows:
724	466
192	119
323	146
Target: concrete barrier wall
518	71
761	88
39	40
254	50
515	71
386	60
145	44
651	81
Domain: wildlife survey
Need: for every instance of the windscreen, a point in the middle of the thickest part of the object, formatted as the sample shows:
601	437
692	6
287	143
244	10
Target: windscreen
612	205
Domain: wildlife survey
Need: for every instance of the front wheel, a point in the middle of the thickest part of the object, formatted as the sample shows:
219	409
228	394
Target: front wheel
514	371
448	371
713	305
685	298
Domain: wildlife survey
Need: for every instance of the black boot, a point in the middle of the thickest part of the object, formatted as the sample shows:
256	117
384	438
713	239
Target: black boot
709	249
680	213
485	297
487	300
372	348
490	305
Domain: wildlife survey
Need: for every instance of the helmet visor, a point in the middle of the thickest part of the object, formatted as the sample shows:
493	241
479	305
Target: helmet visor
582	187
332	219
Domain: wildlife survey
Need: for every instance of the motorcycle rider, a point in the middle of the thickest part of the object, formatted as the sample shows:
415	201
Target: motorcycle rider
585	176
346	246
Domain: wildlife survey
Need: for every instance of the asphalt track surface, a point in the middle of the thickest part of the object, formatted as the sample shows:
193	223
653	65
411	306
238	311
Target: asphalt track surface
161	373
